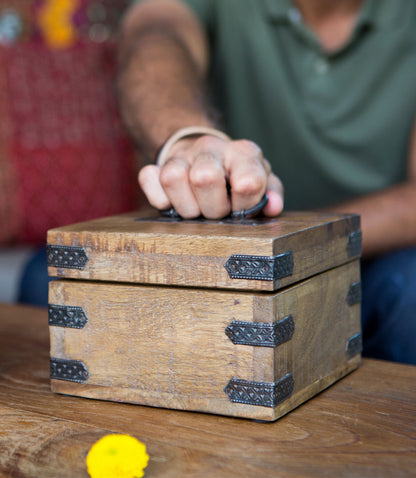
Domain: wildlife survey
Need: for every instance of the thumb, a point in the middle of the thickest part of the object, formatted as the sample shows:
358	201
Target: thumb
275	192
150	183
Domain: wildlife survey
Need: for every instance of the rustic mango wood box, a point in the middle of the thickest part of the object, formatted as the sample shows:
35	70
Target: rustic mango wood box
244	319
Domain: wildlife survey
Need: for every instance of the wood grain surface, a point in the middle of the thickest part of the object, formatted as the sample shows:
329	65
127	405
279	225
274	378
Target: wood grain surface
190	253
166	346
363	426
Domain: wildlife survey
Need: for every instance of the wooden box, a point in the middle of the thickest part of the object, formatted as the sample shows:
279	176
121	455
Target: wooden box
242	319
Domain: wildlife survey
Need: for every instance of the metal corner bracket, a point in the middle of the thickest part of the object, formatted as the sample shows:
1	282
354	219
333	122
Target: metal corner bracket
260	334
67	257
67	316
69	370
264	268
261	394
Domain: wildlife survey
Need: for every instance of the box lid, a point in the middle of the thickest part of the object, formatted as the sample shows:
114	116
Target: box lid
257	254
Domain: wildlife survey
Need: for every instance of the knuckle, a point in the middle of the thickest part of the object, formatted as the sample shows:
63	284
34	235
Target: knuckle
247	147
205	176
248	185
172	174
206	143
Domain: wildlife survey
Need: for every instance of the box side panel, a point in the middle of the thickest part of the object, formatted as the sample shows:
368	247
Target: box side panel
326	344
168	347
161	346
320	248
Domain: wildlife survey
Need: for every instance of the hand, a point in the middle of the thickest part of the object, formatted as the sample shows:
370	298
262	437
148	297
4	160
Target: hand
194	177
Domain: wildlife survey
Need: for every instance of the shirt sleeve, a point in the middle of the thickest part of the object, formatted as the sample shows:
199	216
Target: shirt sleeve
204	10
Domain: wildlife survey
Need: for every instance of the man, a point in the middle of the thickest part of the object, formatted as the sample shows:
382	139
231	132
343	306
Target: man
325	88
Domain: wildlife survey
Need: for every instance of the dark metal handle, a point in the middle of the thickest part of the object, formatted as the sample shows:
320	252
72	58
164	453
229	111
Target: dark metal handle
236	215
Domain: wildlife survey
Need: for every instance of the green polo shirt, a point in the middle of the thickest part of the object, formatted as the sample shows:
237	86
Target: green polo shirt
333	126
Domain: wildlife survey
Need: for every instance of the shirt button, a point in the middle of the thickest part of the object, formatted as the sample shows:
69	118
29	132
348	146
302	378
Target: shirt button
294	15
321	66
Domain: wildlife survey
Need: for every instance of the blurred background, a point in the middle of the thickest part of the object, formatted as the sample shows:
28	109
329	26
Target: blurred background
64	154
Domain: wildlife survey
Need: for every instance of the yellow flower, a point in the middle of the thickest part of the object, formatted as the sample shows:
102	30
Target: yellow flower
55	21
117	456
60	38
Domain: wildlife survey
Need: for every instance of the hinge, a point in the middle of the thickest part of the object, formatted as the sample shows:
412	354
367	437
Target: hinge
67	316
262	394
68	257
354	345
266	268
354	244
354	294
70	370
261	334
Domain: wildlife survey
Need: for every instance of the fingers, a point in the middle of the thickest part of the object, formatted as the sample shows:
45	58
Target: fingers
174	178
208	181
194	179
248	173
275	193
150	184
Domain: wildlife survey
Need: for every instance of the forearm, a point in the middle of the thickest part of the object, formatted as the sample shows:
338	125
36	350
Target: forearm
160	89
388	218
163	60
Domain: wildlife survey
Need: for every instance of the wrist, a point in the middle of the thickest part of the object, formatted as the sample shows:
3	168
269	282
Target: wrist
187	133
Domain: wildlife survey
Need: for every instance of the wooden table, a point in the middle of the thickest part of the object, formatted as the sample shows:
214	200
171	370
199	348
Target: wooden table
363	426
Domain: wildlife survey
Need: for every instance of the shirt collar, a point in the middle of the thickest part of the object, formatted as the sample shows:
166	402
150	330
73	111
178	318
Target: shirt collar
279	10
381	14
374	13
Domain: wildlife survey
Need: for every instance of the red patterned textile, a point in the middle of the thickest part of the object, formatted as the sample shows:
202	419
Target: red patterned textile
64	156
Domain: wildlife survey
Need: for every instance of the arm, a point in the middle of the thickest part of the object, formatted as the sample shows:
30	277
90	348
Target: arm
163	56
388	218
163	61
